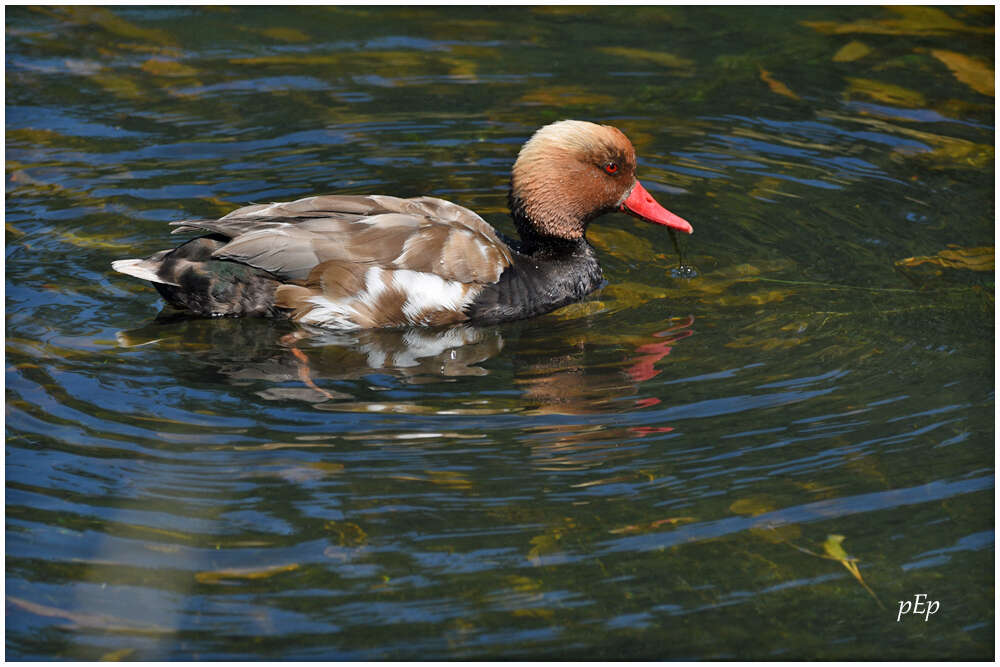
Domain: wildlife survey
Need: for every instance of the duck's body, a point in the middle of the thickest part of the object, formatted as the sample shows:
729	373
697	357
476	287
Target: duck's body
353	262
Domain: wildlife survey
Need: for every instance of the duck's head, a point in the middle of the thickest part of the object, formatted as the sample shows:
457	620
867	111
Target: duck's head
572	171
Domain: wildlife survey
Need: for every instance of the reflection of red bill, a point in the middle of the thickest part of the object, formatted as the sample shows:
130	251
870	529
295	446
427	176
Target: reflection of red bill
643	368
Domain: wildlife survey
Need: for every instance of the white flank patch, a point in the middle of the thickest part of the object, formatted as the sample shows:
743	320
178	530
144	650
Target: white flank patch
374	285
427	292
327	313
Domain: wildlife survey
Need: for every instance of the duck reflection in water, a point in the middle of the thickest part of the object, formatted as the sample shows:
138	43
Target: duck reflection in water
555	375
564	369
246	351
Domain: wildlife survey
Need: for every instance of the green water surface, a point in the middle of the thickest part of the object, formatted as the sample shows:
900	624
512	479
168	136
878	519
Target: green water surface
651	474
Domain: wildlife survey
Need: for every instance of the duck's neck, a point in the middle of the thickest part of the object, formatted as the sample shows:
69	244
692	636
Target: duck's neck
546	273
533	241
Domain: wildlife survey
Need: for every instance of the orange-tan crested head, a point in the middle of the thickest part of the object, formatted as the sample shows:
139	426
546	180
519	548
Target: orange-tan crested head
572	171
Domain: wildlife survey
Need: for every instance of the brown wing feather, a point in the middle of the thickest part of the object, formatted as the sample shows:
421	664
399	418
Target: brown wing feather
423	234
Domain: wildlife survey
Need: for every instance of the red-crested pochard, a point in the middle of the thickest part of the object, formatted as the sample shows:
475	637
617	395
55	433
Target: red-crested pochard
356	261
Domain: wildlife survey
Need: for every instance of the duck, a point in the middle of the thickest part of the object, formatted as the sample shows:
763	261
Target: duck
350	262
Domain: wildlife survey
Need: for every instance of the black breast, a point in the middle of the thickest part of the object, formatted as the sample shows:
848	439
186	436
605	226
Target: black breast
538	283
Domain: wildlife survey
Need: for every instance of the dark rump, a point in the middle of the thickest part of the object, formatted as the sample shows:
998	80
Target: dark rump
215	287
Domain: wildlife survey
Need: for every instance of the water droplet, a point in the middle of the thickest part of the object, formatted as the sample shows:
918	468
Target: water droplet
684	271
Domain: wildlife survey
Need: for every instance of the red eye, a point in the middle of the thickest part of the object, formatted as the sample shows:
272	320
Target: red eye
611	167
